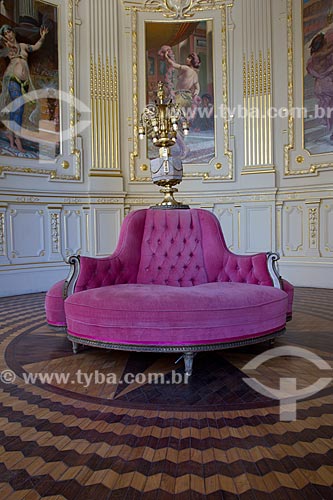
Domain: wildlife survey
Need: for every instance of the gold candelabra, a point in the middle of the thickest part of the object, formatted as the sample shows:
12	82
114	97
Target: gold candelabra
161	121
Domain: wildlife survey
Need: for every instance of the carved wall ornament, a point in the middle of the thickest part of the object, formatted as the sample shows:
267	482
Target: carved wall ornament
27	199
313	226
107	201
178	9
2	234
55	232
72	200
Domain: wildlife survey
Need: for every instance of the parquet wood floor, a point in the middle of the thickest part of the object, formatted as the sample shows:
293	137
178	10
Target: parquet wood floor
214	437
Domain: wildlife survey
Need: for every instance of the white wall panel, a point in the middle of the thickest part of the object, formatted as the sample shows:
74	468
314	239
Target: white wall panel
27	234
226	218
107	227
293	230
258	229
35	241
73	225
326	246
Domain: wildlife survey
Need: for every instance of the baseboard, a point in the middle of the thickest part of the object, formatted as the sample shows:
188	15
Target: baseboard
18	280
317	273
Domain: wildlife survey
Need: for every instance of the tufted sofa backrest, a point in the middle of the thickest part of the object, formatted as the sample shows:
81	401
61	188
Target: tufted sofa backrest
187	247
178	247
171	249
223	265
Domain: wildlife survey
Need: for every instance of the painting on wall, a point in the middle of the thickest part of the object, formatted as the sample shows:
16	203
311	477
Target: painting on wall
29	79
318	76
182	57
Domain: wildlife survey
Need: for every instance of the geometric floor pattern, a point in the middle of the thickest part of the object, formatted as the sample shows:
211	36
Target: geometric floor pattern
100	427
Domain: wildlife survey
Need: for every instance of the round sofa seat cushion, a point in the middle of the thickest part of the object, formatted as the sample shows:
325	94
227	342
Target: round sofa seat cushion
54	305
166	315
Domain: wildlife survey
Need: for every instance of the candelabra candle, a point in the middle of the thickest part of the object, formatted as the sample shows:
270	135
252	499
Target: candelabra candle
161	123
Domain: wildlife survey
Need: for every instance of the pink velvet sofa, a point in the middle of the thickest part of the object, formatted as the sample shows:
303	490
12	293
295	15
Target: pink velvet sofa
171	285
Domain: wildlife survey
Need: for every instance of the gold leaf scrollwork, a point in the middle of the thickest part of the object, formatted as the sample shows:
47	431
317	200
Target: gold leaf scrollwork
2	234
177	9
313	225
55	232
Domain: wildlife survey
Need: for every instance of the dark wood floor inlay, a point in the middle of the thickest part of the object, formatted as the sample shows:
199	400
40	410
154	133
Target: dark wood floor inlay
214	437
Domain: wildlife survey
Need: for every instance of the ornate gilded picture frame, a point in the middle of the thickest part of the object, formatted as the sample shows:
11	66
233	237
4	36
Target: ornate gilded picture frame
318	77
38	107
183	57
201	28
310	140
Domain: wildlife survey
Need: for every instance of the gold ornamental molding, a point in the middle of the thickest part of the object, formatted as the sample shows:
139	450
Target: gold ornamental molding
313	227
104	99
257	88
55	232
74	152
257	96
104	113
311	166
176	10
179	9
2	234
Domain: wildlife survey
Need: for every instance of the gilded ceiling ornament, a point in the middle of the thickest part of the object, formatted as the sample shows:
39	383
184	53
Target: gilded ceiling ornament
177	8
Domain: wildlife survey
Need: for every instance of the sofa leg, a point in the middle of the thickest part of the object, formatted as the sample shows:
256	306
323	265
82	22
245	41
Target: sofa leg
188	360
75	347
